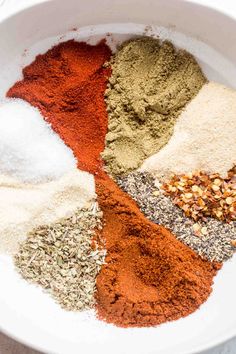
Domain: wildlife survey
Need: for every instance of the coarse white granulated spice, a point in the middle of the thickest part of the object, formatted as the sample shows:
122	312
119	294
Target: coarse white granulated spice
204	136
29	149
26	206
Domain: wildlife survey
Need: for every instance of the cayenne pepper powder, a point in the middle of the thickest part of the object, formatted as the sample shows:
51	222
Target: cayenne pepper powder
67	84
149	276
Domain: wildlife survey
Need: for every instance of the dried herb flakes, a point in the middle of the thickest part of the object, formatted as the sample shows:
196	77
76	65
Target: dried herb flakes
61	259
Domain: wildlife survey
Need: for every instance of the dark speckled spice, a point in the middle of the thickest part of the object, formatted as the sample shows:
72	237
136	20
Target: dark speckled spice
211	239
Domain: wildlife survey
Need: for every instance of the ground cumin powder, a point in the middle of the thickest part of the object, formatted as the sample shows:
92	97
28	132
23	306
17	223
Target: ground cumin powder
150	84
149	277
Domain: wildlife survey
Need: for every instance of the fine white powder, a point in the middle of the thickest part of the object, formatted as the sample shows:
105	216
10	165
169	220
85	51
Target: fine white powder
204	136
26	206
29	149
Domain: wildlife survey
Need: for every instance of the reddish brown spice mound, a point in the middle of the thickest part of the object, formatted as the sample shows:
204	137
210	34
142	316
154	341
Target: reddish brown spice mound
150	277
67	84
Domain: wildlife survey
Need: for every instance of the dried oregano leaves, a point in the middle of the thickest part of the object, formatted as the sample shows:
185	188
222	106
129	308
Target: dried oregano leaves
61	259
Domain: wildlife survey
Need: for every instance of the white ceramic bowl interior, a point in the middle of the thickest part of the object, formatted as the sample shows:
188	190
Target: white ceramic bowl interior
27	313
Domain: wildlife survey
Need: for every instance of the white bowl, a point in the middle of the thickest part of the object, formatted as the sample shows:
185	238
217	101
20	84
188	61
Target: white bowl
31	316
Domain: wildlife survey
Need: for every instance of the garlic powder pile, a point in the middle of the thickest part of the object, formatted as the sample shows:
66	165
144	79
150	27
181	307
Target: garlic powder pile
26	206
204	136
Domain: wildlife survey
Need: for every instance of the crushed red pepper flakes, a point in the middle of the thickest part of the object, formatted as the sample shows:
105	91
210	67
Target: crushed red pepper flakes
201	195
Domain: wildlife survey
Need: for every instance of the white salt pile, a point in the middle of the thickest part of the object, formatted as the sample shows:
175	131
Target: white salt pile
204	136
29	149
26	206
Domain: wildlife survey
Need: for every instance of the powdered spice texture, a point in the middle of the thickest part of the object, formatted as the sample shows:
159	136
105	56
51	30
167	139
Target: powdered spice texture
151	83
149	276
203	138
67	84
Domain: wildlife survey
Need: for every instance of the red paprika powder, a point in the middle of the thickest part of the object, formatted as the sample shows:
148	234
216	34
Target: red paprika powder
149	276
67	84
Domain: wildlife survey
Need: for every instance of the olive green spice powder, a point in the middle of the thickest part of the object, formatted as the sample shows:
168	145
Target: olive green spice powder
151	82
61	259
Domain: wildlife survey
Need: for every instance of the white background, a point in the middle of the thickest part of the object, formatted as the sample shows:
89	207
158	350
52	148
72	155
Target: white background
7	345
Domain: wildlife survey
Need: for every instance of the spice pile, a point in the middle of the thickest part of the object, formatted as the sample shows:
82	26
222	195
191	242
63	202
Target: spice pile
200	195
212	239
150	84
114	112
203	138
29	149
59	257
68	88
26	206
149	277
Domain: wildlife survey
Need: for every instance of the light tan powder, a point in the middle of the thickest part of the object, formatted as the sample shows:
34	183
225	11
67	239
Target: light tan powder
151	83
25	206
204	136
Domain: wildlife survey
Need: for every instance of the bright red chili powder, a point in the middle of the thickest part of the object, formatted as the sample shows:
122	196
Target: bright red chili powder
67	84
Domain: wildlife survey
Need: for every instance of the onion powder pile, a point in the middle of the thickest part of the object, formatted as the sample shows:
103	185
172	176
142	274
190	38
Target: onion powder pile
204	136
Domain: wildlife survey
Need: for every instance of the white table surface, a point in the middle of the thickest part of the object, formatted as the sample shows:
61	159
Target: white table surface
10	346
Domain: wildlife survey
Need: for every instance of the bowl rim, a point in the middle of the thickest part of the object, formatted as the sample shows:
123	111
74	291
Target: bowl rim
209	5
